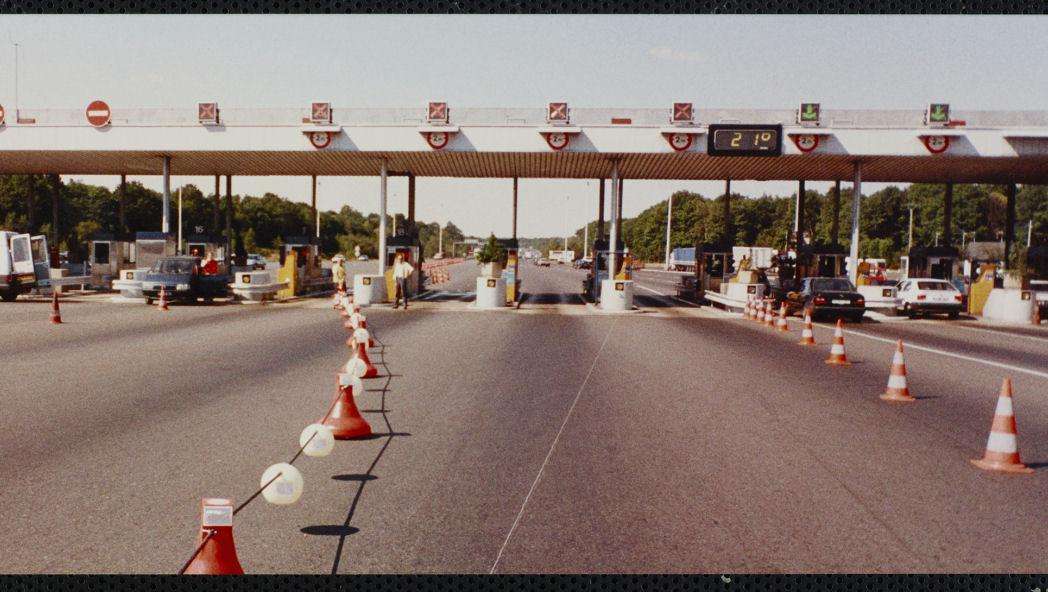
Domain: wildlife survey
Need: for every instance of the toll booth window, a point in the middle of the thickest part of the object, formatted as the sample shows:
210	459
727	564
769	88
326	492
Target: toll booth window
174	266
832	285
101	254
19	252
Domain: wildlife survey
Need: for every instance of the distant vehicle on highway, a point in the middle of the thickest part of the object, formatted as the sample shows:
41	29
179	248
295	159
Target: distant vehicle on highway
925	295
256	261
566	256
827	296
583	263
362	258
182	280
543	262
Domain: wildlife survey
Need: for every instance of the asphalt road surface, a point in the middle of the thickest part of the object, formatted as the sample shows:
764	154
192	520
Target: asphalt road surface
553	438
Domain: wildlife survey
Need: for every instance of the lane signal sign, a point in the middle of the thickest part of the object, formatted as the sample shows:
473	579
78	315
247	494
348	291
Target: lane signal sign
207	113
321	113
809	113
557	112
438	113
1	115
683	113
938	114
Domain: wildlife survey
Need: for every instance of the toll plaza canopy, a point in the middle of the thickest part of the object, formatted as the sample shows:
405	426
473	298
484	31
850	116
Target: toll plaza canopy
889	145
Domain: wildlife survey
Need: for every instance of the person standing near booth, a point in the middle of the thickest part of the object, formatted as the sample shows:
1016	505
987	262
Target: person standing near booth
209	265
338	272
402	270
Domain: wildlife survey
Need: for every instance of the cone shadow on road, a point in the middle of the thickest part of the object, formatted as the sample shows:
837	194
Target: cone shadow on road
338	530
354	477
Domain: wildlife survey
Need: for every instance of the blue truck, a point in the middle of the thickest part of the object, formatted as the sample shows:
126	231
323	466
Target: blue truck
682	259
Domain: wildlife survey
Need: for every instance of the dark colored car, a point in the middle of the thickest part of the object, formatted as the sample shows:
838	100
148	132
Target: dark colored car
827	296
182	280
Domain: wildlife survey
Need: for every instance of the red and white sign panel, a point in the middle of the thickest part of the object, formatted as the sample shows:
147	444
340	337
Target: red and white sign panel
320	139
321	113
805	142
936	144
679	142
558	140
438	113
438	140
98	113
1	115
207	112
682	113
557	112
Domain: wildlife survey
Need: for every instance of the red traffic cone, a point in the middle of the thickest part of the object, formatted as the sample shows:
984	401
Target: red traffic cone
336	301
344	418
1002	447
216	553
769	315
759	317
897	389
782	325
360	352
838	356
162	303
747	311
56	314
808	334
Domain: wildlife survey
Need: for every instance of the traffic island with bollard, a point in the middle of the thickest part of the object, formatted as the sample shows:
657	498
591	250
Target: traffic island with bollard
616	295
369	289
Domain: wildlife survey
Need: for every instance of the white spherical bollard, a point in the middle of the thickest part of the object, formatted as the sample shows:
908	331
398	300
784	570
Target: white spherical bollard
356	368
361	335
322	442
285	489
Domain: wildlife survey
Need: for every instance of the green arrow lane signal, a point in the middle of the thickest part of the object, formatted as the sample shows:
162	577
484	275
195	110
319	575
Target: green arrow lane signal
938	112
809	111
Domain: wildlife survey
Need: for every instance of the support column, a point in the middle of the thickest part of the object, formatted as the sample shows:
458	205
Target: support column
947	215
229	219
729	230
835	228
600	211
618	211
853	264
217	212
669	231
798	215
121	205
411	202
613	238
56	186
514	207
383	188
165	220
31	205
1009	226
313	206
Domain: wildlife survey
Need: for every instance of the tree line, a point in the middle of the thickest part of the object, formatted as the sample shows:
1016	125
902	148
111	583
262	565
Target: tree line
259	223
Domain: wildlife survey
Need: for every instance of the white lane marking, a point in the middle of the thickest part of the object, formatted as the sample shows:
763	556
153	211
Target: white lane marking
665	295
549	454
984	330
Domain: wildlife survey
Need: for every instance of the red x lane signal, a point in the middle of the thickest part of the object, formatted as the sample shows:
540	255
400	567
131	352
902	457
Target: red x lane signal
438	113
682	113
321	113
557	112
207	112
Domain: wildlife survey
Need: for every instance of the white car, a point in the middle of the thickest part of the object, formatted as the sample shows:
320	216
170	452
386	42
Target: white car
925	295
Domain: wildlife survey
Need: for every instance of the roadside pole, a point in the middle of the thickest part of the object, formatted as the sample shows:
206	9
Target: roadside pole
669	227
179	220
853	266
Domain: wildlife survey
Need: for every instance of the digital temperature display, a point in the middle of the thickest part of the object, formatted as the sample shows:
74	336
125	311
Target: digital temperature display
744	140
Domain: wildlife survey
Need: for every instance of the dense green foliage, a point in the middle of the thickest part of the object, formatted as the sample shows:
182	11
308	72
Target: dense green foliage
259	223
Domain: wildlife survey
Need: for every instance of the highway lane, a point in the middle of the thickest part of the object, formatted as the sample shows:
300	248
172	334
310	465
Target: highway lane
522	442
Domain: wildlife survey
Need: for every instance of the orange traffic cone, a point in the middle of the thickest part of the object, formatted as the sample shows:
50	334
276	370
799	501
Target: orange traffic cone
344	418
56	314
162	303
782	325
838	357
897	389
808	334
769	315
759	317
216	554
1002	448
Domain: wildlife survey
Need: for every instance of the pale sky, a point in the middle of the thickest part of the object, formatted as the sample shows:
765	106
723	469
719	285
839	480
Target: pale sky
994	62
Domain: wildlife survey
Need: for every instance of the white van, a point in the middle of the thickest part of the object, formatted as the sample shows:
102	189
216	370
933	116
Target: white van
24	264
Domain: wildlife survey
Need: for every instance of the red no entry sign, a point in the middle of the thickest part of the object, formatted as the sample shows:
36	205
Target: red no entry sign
98	113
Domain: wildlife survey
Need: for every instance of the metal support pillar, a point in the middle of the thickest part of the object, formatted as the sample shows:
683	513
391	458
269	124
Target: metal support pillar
600	211
618	211
229	219
411	202
613	239
121	205
1009	226
947	215
165	220
382	206
853	265
217	211
56	186
835	228
313	206
798	215
729	230
669	231
514	207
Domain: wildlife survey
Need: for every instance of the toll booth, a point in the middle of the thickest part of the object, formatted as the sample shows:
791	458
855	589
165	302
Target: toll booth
410	247
108	254
199	245
151	246
302	270
599	270
714	265
943	263
819	260
511	274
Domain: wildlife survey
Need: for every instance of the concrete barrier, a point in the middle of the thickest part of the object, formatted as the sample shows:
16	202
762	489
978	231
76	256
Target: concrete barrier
1009	306
369	289
616	295
491	292
129	284
254	286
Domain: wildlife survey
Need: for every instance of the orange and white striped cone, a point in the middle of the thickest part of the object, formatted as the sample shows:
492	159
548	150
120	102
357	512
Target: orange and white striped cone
162	303
782	325
1002	447
769	315
838	356
759	317
336	301
897	389
808	334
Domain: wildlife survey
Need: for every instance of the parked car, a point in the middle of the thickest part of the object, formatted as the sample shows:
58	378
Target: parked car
256	261
925	295
827	296
583	263
543	262
181	279
362	258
